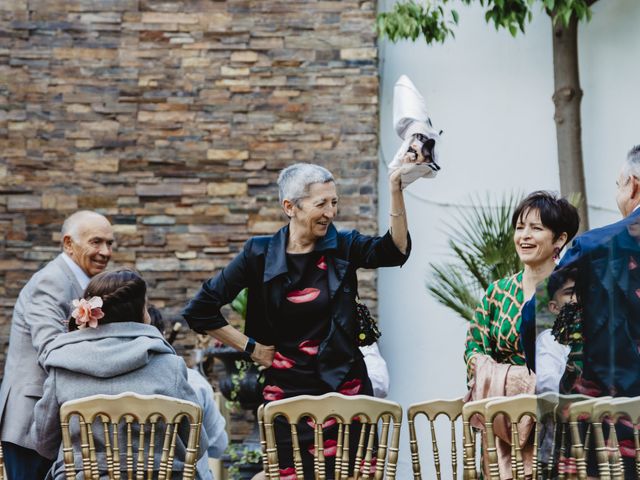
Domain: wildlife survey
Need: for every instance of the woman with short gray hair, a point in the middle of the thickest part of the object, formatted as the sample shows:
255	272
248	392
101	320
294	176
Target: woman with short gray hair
301	319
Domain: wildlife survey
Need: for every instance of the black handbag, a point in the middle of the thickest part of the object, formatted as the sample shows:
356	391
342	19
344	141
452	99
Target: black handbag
368	331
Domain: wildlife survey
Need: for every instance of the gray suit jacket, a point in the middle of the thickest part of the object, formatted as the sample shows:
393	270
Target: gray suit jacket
44	304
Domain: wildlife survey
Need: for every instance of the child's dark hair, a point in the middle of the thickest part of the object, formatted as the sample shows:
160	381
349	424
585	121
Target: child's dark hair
556	213
123	293
558	278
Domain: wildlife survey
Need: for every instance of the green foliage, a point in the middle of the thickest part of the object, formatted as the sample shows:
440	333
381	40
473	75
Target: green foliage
482	251
239	303
236	380
239	454
408	19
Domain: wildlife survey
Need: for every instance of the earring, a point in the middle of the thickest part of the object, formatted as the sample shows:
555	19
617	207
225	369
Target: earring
556	253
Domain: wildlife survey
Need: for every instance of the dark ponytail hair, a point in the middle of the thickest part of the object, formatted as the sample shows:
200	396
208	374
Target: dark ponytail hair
123	293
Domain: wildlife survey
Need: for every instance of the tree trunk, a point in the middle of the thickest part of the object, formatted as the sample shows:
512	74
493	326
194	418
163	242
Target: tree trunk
566	98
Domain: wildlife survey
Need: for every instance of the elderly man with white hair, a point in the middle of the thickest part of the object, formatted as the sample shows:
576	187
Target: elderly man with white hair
40	313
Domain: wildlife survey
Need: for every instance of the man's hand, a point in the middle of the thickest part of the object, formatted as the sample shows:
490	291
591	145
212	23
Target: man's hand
263	355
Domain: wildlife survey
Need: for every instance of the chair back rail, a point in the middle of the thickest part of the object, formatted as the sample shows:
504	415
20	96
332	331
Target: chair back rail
611	410
263	441
452	409
547	403
343	409
581	411
562	423
469	409
121	415
515	408
629	408
2	473
607	453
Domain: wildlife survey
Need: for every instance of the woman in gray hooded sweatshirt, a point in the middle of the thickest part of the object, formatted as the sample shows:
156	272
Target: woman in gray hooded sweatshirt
110	349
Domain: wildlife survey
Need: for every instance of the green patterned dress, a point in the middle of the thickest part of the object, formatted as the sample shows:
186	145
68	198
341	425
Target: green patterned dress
495	328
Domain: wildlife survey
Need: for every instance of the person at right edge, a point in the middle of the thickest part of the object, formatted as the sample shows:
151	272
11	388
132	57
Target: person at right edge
607	262
301	311
542	224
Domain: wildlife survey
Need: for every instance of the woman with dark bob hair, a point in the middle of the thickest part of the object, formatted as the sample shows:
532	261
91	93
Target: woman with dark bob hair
301	314
110	349
543	224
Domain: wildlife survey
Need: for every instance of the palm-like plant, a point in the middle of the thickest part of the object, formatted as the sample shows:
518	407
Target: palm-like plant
482	251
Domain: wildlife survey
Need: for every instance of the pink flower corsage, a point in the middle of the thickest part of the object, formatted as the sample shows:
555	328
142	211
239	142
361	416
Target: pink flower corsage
87	312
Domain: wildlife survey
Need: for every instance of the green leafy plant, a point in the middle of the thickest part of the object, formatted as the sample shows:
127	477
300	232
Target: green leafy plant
409	20
482	251
239	454
239	305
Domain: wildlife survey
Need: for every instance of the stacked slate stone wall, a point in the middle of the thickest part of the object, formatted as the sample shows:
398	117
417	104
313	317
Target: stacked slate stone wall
173	119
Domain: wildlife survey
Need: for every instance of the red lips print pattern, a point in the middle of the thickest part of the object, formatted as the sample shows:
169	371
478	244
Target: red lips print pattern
372	466
322	265
330	448
310	347
280	362
627	448
272	392
326	424
303	296
352	387
288	474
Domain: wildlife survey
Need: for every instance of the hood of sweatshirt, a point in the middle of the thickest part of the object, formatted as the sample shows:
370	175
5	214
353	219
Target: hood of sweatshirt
107	351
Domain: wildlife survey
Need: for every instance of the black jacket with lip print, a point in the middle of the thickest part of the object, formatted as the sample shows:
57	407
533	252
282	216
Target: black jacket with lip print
262	267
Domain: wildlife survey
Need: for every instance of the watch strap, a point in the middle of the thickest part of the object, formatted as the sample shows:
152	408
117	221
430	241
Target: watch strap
250	346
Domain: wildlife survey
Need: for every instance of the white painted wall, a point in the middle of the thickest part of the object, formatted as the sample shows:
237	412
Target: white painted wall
491	94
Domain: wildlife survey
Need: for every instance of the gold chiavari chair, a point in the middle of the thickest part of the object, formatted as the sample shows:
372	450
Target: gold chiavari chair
515	408
432	409
263	440
153	419
343	409
2	474
610	464
629	408
581	411
215	464
472	471
547	403
562	434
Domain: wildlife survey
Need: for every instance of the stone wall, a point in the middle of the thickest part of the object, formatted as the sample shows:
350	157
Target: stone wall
173	118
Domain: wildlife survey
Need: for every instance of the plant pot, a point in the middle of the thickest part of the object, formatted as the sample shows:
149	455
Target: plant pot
249	393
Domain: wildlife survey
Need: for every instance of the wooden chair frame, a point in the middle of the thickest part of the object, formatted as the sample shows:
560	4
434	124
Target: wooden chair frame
629	407
578	449
547	404
610	464
469	409
343	409
452	409
2	472
515	408
263	440
132	408
562	422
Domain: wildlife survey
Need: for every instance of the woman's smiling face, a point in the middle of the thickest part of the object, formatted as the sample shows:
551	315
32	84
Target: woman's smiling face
534	242
314	213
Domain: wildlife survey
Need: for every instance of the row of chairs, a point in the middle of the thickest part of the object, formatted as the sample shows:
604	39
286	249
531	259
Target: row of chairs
572	417
571	423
